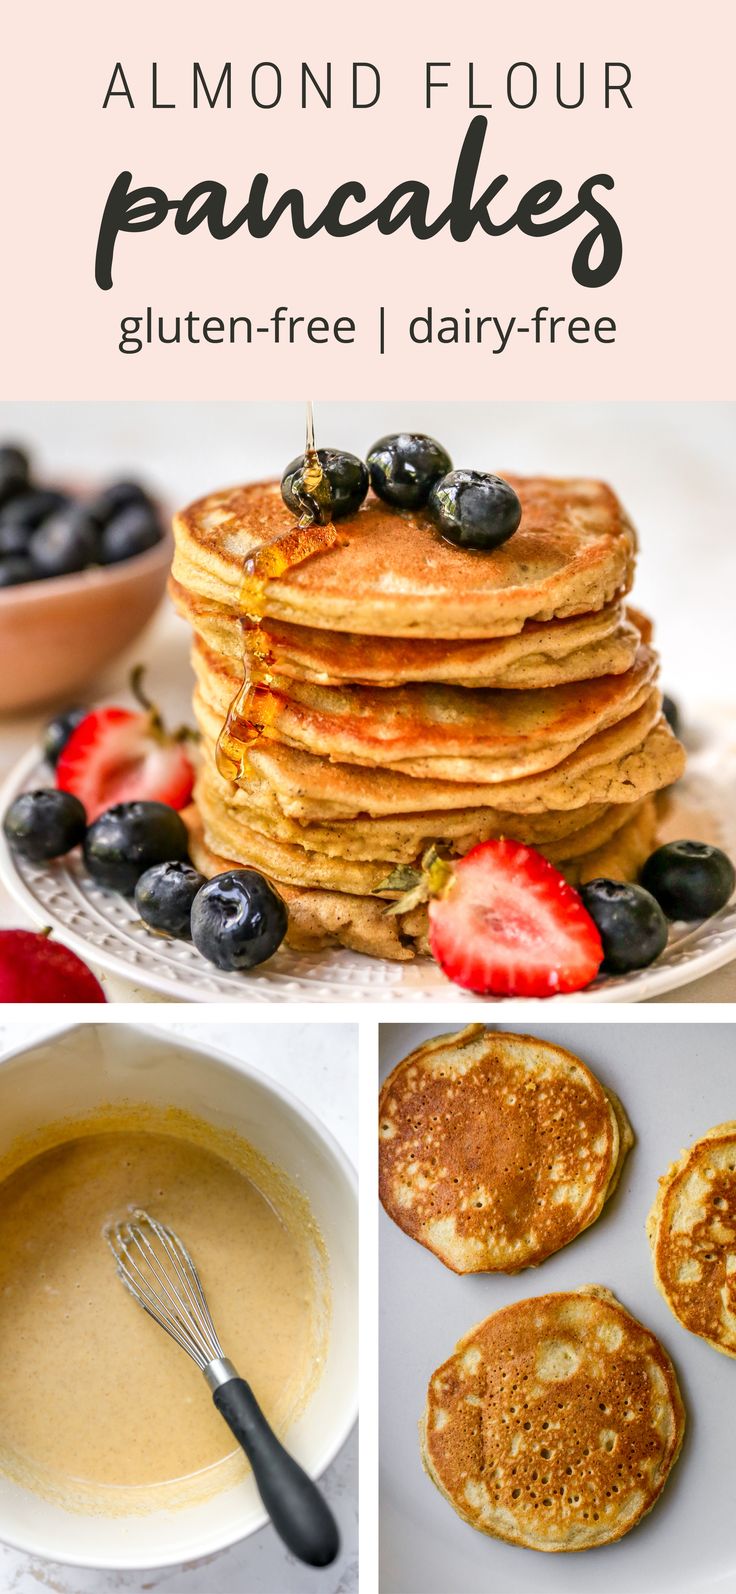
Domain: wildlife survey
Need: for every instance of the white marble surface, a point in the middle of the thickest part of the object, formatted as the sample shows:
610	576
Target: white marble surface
318	1063
674	466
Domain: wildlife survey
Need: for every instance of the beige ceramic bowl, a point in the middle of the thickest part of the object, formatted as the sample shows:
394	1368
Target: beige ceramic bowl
56	635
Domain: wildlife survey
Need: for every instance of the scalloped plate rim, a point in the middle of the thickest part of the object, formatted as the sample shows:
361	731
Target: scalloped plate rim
273	984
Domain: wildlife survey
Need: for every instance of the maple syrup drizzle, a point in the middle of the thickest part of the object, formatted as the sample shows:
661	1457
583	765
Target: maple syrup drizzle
255	706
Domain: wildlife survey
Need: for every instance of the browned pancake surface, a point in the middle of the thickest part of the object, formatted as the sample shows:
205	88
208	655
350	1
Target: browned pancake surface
692	1230
540	655
513	732
495	1149
395	575
555	1423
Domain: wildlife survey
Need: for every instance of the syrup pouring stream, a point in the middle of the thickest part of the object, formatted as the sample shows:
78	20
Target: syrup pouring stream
254	705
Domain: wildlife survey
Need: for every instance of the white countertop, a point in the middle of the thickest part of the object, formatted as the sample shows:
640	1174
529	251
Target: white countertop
674	466
319	1064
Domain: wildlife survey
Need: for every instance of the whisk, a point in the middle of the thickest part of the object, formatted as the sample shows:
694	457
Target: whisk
155	1266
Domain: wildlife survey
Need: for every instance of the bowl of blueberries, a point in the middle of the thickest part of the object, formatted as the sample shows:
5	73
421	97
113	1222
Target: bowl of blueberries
81	573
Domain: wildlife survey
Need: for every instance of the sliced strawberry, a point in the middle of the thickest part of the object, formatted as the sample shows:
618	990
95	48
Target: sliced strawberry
117	755
508	924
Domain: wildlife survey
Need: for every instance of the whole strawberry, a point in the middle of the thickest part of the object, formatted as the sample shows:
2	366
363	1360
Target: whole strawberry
34	968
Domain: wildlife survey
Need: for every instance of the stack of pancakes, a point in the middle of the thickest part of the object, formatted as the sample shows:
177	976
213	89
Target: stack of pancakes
424	694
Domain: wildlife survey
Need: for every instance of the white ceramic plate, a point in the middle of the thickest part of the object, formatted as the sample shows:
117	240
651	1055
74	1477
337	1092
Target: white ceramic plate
106	931
676	1081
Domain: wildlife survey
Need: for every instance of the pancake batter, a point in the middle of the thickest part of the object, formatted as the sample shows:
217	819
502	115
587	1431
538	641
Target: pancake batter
95	1397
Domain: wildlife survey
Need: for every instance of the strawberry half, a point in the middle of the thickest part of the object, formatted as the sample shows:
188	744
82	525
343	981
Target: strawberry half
120	755
508	924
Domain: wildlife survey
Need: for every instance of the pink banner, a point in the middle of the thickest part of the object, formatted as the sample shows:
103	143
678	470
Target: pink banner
522	200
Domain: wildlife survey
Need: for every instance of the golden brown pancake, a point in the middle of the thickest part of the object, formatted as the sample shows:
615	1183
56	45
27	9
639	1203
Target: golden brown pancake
322	917
404	837
692	1232
621	765
555	1423
237	831
495	1150
540	655
321	920
396	576
444	731
624	856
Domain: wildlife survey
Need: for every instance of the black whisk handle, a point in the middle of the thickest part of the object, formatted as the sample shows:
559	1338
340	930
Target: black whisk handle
298	1511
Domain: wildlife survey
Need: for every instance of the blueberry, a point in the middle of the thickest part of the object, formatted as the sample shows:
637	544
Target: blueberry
65	543
405	466
117	496
13	471
238	920
57	732
630	923
13	540
44	824
671	713
15	570
474	509
164	896
689	879
129	839
29	509
346	480
131	532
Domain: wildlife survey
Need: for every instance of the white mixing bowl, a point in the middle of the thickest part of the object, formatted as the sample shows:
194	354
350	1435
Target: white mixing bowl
91	1065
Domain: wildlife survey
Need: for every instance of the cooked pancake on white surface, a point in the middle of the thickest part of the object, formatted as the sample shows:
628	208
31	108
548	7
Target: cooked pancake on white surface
555	1423
495	1150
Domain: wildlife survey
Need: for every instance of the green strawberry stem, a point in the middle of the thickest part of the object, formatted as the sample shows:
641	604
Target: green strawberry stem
417	886
156	725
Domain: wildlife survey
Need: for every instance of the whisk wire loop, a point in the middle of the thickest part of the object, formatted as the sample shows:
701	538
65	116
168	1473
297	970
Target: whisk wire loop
159	1273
